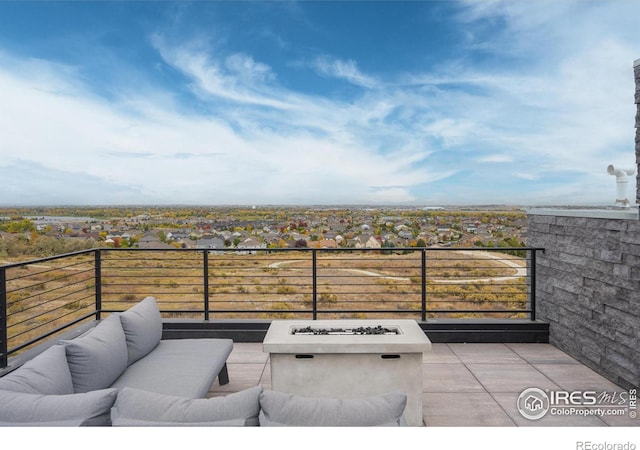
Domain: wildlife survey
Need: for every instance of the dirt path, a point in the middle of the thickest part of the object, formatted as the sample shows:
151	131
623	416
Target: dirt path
520	271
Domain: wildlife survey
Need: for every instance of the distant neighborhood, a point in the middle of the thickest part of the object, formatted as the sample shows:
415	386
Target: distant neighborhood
253	228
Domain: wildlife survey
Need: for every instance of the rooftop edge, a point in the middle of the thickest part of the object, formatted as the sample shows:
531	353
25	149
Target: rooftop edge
626	214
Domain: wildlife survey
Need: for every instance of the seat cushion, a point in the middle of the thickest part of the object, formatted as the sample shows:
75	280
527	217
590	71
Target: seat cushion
180	367
142	326
46	373
135	407
97	358
86	409
281	409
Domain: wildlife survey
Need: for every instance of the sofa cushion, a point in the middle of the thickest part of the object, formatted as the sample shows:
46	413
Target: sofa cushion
142	325
135	407
98	357
181	367
86	409
281	409
47	373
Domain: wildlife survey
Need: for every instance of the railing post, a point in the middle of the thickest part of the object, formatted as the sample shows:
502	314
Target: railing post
98	282
532	295
205	259
4	347
423	278
314	283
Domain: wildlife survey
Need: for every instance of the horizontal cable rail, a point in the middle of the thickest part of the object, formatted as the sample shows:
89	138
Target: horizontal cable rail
41	298
45	297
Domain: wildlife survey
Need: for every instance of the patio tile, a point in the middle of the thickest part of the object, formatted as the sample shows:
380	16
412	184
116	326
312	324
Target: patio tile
247	347
510	377
440	353
576	377
248	357
542	354
621	421
241	376
449	378
485	353
463	410
508	403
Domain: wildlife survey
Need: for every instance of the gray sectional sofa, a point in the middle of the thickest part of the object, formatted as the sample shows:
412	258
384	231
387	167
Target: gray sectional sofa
122	373
75	382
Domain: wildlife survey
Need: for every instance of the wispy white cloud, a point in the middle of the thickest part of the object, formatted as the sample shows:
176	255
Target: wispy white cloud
237	77
344	69
495	158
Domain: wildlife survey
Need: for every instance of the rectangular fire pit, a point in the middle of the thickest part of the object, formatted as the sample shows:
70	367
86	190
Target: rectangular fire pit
348	358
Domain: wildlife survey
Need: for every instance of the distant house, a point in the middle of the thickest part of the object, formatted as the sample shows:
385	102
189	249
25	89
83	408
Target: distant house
177	236
405	234
331	234
271	238
251	243
368	242
150	240
428	238
225	234
210	243
323	243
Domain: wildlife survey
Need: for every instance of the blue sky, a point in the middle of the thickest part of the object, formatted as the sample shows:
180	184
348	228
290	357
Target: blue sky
335	102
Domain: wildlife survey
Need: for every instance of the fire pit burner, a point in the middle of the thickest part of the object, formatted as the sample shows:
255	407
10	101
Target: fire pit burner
378	329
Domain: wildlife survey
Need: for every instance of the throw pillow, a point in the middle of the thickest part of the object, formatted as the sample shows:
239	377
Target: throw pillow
97	358
135	407
46	373
87	409
142	325
281	409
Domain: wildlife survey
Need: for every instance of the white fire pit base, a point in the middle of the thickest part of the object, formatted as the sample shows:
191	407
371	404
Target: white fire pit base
343	365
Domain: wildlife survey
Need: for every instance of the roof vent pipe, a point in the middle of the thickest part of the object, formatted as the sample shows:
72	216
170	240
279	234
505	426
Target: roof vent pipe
622	181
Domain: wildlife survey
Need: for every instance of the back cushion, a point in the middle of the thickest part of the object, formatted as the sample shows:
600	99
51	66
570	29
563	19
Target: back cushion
88	409
142	325
47	373
97	358
135	407
282	409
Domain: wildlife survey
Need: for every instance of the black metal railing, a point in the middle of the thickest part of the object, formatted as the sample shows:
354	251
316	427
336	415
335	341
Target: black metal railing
44	297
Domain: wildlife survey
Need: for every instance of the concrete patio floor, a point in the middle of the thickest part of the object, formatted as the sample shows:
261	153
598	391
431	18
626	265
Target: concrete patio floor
468	385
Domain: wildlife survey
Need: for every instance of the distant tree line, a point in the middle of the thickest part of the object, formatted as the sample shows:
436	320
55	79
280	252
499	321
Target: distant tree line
41	246
17	226
506	242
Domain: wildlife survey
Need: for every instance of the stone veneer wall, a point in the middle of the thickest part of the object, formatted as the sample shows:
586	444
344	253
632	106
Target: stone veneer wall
588	289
